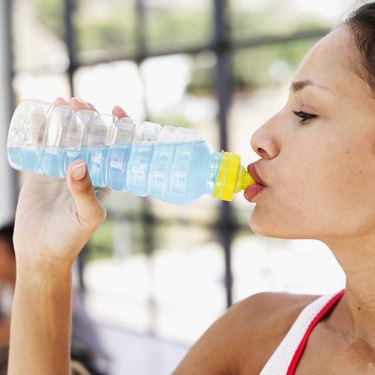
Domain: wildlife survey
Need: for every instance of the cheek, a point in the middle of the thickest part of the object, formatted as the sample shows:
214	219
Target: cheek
322	193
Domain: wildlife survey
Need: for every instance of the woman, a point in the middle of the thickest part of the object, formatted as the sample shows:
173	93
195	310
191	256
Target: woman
316	179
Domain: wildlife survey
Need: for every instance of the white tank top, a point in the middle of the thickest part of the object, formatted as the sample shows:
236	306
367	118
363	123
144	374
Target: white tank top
286	356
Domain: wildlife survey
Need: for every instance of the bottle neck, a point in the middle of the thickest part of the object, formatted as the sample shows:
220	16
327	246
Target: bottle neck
216	160
231	176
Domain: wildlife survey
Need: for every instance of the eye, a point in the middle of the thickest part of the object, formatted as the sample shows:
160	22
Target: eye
304	116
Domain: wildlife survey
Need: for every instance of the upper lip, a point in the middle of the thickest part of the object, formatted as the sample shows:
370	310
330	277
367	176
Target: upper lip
254	174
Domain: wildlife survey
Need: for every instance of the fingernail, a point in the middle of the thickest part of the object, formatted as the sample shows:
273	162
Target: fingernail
60	100
78	171
79	100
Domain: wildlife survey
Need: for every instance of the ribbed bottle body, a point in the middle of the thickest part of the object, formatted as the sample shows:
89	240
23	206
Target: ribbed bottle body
168	163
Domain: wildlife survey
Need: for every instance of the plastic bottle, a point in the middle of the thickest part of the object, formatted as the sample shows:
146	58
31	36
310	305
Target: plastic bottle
169	163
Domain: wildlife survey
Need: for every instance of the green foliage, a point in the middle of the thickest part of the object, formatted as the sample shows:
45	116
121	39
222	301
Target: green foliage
165	26
275	18
104	34
172	119
143	238
115	30
251	66
201	83
51	14
101	243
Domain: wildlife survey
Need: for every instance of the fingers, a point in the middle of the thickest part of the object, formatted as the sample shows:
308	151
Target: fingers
60	101
79	104
90	212
119	112
75	103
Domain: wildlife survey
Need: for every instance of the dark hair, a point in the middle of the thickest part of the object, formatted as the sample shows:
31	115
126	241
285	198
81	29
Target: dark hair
6	234
362	24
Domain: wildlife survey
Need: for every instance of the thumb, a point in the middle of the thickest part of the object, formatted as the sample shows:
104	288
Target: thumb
90	212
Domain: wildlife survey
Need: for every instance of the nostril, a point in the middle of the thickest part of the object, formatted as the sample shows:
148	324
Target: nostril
264	143
261	152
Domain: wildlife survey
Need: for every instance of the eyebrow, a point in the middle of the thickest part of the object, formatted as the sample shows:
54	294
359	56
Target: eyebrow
299	85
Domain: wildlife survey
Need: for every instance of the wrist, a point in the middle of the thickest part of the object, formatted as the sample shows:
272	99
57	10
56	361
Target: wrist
30	264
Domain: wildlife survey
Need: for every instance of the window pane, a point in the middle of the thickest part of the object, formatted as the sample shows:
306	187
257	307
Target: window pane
175	24
178	91
105	25
270	264
38	36
107	85
46	87
177	292
269	17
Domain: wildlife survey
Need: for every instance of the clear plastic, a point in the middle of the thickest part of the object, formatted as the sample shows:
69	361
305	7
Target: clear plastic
169	163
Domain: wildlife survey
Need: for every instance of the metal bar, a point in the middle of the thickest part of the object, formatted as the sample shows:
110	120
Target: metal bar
140	31
70	42
222	89
9	186
214	46
146	216
83	59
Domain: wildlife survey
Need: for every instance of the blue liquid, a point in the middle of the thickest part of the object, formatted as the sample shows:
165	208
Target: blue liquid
173	172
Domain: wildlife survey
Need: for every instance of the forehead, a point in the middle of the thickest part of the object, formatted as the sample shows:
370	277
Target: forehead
332	63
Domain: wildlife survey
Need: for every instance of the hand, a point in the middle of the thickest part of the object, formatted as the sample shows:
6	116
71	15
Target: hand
55	218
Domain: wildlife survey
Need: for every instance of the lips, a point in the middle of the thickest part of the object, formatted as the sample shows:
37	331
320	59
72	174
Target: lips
254	174
256	188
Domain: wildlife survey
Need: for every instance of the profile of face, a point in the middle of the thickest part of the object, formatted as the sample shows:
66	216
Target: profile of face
318	152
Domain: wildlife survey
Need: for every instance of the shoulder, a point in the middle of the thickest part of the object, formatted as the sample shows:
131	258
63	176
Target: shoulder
260	323
267	309
243	339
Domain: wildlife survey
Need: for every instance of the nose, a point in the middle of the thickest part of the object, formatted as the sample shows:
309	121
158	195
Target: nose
264	141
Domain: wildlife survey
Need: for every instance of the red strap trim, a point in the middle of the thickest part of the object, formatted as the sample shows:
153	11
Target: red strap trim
301	347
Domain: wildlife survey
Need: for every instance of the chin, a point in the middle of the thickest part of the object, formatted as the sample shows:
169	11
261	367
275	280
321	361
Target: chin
262	228
272	228
265	231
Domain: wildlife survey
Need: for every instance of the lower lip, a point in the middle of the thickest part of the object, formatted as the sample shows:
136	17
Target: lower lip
252	191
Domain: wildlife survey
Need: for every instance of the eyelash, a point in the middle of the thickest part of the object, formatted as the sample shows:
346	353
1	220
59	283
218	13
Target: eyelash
304	116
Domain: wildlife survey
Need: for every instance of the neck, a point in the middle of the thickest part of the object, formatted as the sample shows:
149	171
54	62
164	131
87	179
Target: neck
356	310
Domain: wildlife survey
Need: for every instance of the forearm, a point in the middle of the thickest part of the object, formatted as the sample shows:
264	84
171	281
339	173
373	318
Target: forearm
41	321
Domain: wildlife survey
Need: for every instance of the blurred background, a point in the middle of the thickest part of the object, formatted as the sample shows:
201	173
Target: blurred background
155	275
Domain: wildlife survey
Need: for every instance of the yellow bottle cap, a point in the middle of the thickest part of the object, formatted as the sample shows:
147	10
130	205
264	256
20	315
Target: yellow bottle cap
232	177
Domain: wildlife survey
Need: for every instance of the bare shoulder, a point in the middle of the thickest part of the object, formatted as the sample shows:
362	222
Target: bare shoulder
267	309
243	339
261	322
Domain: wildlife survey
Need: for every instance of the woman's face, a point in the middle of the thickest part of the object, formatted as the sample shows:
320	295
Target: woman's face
318	165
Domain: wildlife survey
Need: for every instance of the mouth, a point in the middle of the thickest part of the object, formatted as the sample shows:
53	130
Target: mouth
254	174
256	188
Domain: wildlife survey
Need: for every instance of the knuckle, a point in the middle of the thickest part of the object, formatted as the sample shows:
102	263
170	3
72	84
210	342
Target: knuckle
99	216
93	220
85	187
